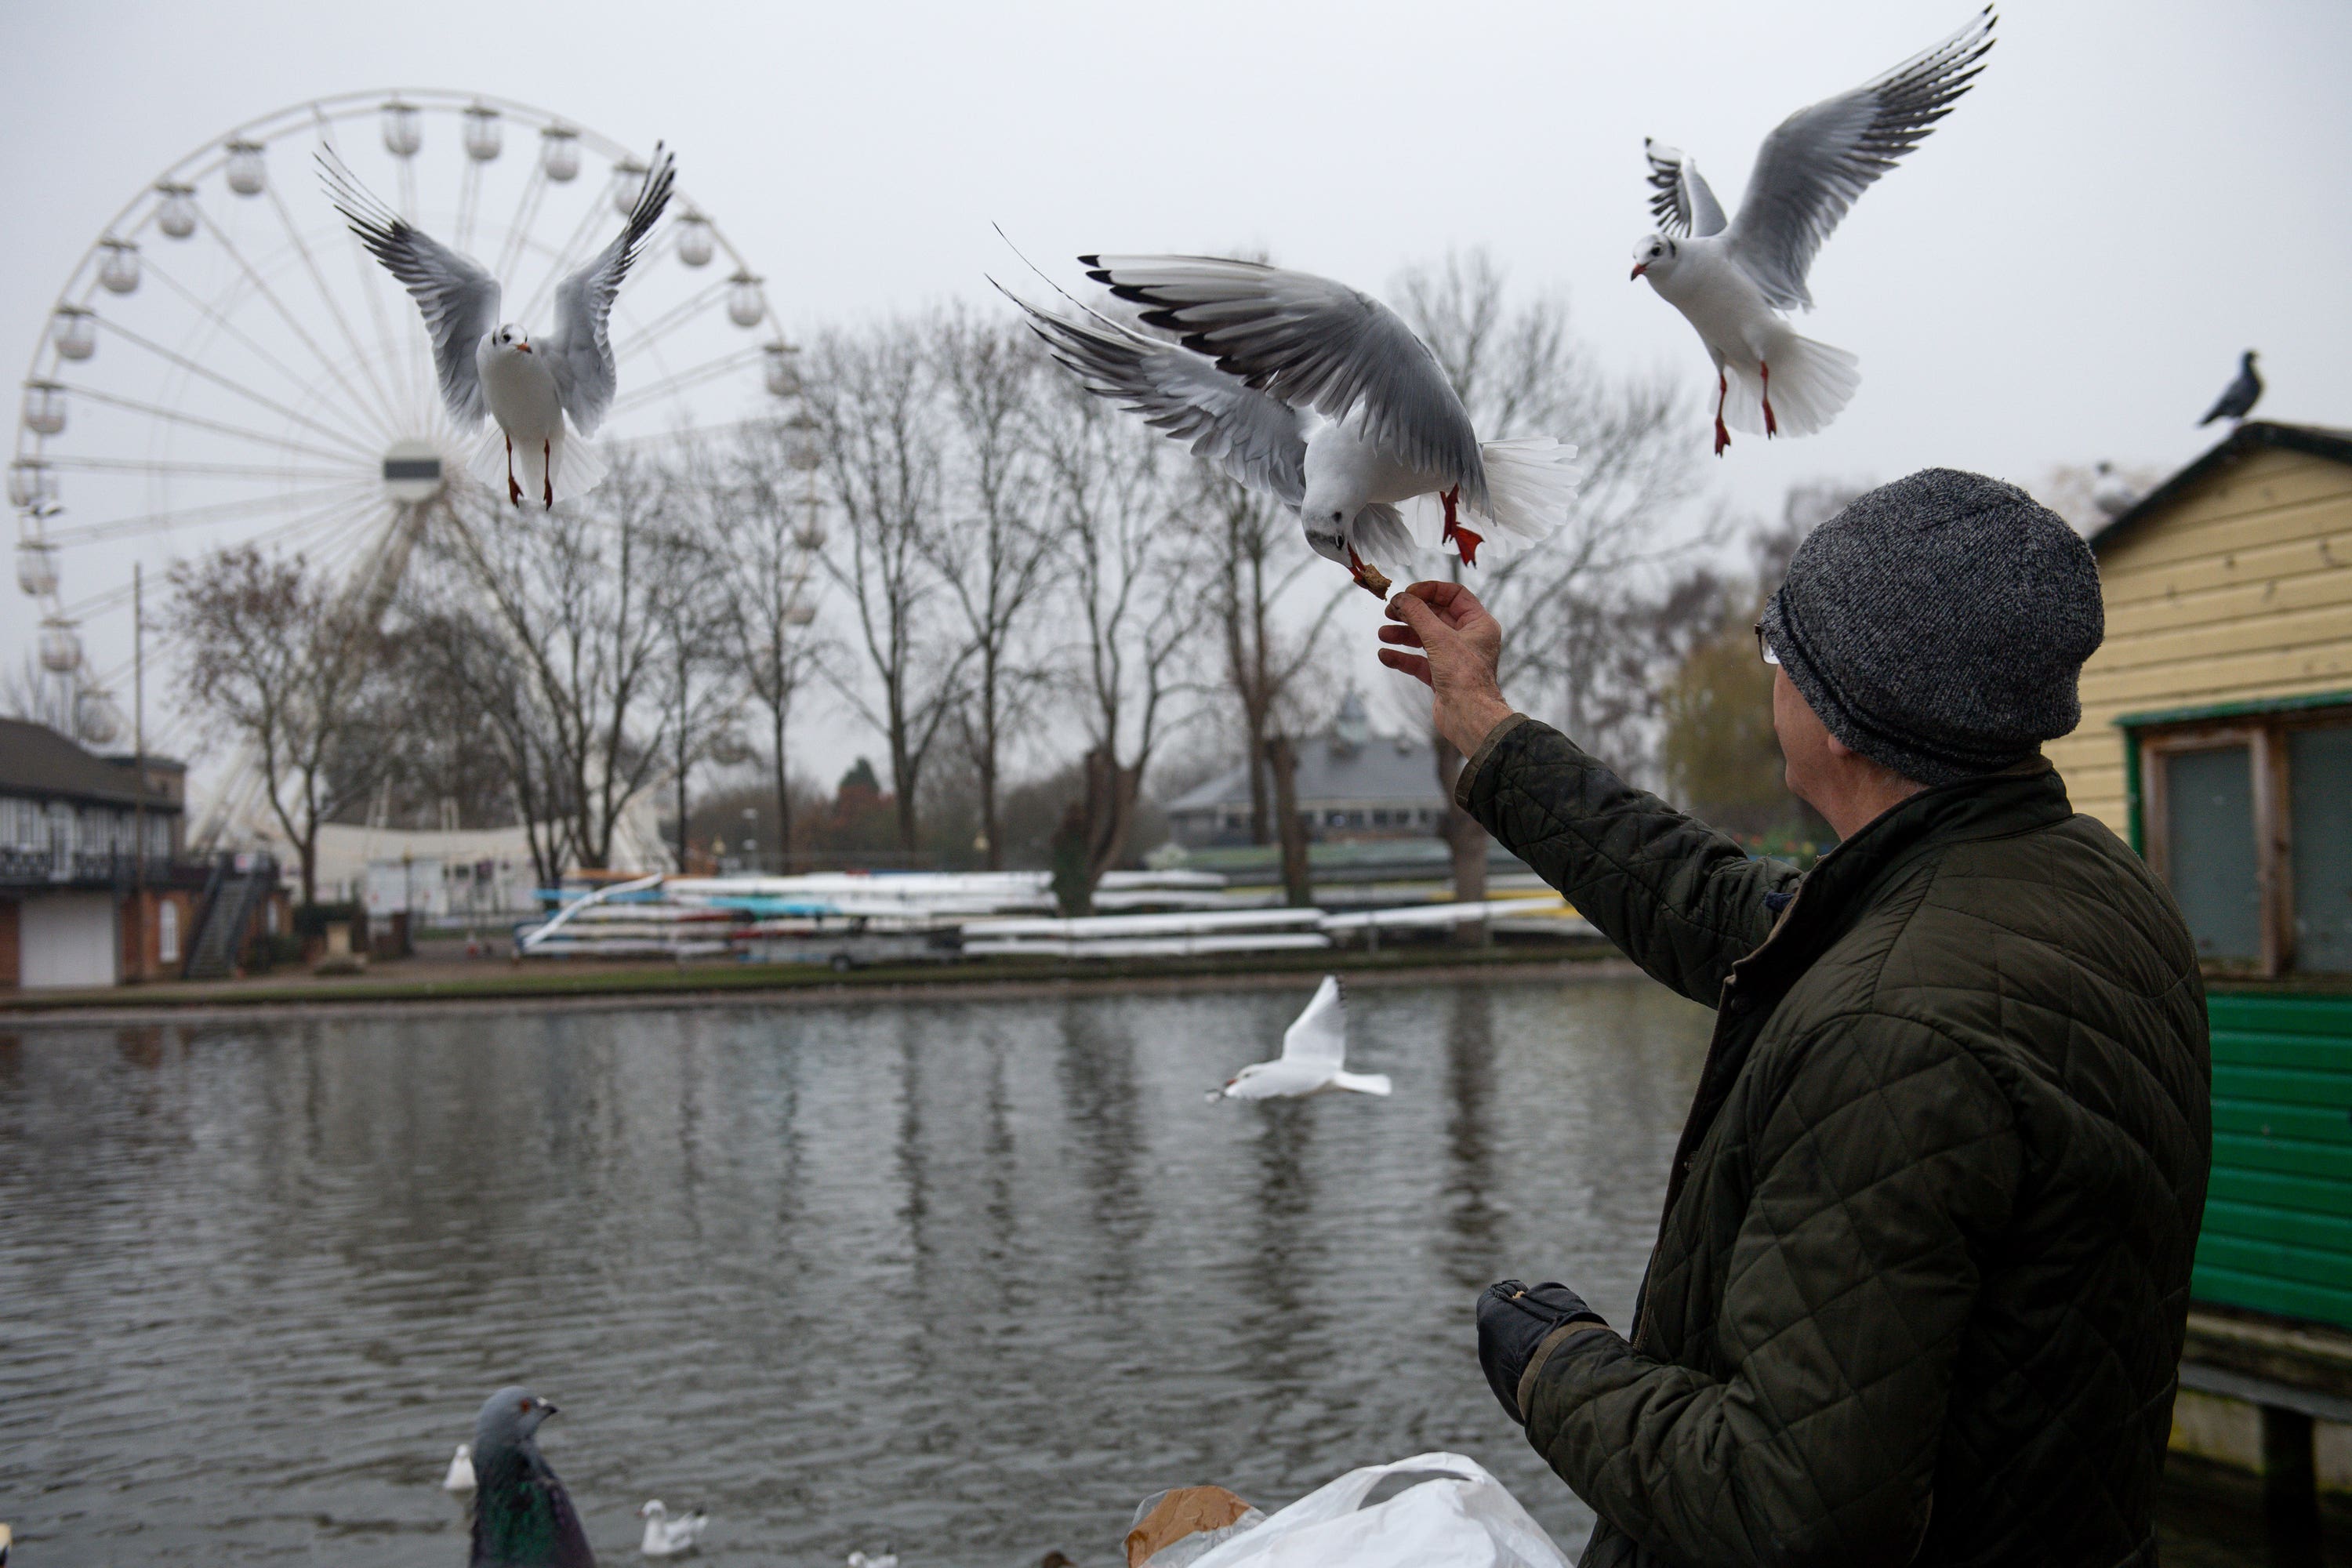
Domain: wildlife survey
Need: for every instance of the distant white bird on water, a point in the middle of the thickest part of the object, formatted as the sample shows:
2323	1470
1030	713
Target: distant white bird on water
667	1536
1731	281
1314	1055
886	1558
1319	395
460	1478
489	367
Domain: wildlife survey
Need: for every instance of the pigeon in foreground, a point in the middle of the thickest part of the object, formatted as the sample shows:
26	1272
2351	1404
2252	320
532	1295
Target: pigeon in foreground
1314	1055
1731	281
522	1517
668	1537
490	367
1317	393
461	1478
2238	399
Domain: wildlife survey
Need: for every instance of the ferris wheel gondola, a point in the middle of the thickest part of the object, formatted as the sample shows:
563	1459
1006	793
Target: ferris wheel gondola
224	365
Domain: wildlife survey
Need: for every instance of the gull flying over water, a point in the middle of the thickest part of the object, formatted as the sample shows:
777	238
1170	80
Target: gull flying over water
1314	1055
527	387
1317	393
1731	280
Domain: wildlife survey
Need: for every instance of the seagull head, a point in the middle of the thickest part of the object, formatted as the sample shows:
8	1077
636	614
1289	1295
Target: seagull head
511	339
1326	515
1654	257
653	1510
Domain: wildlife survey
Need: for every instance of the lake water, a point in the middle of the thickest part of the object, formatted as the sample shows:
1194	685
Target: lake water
969	1276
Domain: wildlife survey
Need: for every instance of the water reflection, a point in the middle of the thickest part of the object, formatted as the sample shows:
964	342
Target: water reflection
973	1276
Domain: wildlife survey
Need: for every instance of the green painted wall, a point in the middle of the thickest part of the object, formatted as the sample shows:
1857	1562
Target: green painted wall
2278	1216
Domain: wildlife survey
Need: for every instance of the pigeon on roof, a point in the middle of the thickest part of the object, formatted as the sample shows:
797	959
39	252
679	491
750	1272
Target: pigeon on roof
523	1516
2238	399
527	386
1731	278
1317	393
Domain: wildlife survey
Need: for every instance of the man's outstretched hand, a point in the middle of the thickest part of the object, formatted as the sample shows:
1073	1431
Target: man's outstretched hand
1461	646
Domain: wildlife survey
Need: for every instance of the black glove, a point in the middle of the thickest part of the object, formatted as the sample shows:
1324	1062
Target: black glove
1513	1321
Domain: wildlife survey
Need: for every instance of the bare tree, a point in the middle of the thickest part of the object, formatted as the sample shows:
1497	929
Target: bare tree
1131	602
873	398
1520	371
695	671
991	552
775	526
569	598
275	660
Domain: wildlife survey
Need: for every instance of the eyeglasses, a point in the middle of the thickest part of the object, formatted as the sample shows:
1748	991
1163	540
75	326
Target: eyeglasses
1764	646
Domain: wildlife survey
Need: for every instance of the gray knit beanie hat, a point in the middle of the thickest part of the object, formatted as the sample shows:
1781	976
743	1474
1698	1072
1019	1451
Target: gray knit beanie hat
1939	623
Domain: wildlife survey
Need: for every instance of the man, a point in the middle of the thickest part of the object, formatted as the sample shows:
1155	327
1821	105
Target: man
1919	1288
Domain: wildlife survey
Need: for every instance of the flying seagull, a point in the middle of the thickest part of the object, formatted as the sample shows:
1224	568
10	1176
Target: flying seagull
1317	393
2238	399
491	367
1731	280
1314	1055
523	1516
667	1536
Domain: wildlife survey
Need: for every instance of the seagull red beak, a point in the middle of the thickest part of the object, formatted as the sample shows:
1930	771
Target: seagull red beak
1639	268
522	348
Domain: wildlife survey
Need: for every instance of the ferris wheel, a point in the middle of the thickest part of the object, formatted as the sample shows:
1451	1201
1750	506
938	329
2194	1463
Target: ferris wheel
226	364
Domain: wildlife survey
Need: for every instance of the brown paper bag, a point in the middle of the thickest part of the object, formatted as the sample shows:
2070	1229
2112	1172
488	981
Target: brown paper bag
1183	1511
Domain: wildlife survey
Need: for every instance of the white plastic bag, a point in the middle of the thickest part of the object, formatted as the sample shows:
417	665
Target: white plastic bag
1460	1517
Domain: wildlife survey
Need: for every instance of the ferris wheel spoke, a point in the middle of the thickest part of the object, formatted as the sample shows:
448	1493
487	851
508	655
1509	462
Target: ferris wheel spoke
669	321
348	450
98	603
217	512
469	200
334	308
175	466
261	286
360	425
206	372
565	260
534	192
686	378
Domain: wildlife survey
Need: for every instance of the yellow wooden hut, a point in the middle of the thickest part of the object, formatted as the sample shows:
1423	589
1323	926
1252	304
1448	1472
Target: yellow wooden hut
2217	737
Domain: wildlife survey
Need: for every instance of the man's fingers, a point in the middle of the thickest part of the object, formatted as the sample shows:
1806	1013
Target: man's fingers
1411	609
1403	637
1454	603
1413	664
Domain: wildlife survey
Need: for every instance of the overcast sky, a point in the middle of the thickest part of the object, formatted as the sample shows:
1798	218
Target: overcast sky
2066	269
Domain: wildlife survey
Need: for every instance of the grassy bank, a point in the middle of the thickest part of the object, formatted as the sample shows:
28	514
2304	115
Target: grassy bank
556	982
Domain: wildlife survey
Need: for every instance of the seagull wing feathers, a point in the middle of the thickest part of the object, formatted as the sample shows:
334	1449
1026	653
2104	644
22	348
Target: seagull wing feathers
1680	198
1319	1035
580	353
459	298
1257	439
1810	169
1309	340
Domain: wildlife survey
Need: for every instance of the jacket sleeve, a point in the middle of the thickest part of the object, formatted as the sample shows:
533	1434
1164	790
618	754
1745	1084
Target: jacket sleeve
1886	1164
1677	898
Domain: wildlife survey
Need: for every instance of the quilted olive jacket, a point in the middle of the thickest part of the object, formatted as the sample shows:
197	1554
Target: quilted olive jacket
1919	1288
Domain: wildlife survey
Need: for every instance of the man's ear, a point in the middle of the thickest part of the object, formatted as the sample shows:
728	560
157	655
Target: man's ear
1837	748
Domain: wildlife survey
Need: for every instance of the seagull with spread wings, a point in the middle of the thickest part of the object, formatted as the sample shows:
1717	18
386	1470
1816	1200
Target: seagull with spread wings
491	367
1318	394
1732	280
1314	1058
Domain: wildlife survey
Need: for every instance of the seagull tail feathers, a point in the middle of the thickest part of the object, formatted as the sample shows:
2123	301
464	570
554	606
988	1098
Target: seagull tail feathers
1531	484
1812	382
1361	1082
579	465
